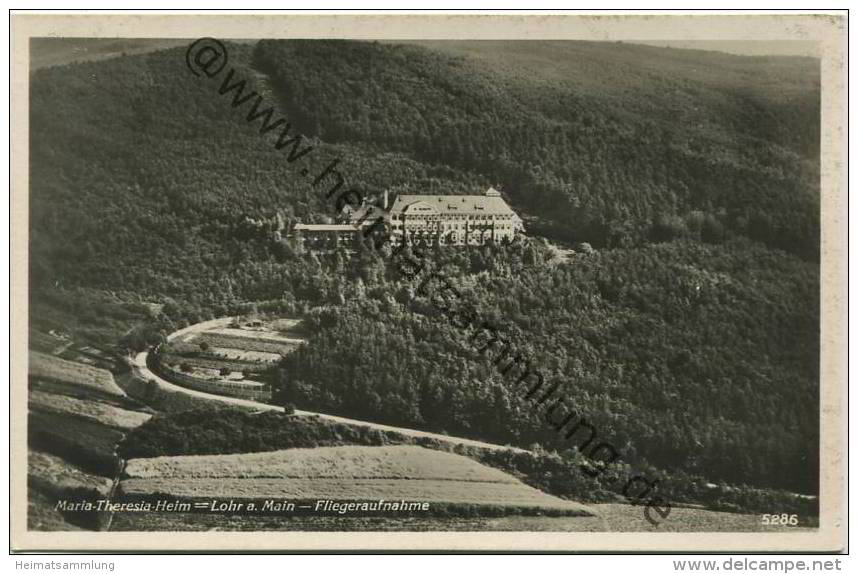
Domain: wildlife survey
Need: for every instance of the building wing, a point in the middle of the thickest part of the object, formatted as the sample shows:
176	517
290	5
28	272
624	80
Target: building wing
486	204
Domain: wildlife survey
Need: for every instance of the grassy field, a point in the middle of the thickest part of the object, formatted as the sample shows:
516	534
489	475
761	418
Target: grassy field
54	369
91	410
501	496
355	473
341	462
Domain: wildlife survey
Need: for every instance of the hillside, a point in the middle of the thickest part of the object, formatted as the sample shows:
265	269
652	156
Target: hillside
139	173
600	143
690	336
690	357
609	142
77	415
47	52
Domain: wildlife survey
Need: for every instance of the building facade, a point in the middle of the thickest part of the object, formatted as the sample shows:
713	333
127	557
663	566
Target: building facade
327	235
418	220
453	219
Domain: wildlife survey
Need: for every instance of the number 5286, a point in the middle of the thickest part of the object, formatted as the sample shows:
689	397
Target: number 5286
780	519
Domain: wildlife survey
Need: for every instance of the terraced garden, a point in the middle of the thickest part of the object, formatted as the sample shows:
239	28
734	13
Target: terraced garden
247	343
235	359
210	364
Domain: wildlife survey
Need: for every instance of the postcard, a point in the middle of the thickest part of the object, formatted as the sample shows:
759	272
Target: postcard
428	282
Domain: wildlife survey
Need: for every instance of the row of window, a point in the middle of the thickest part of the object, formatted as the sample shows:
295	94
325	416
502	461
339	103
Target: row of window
445	241
453	235
447	226
410	217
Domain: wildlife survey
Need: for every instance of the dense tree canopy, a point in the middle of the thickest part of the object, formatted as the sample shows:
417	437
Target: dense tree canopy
599	139
684	356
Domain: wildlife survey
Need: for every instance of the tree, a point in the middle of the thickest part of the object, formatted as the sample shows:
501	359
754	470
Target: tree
712	231
668	228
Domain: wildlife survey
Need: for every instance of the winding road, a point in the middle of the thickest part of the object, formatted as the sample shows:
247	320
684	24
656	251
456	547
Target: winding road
142	370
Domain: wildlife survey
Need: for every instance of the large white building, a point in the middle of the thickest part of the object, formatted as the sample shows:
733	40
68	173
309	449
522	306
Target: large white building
418	220
453	219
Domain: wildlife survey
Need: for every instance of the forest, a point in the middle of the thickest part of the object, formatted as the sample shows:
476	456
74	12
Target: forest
688	336
659	348
611	144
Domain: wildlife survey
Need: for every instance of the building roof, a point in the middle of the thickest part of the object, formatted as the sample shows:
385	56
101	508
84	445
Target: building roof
367	213
489	204
324	227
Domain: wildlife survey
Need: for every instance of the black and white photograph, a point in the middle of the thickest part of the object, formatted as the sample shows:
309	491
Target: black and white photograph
440	280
